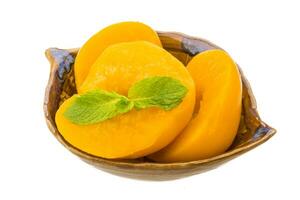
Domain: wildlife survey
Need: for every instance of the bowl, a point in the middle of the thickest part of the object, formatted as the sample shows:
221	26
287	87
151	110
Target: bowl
251	133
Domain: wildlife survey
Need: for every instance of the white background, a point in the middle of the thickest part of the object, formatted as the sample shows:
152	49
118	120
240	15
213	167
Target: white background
262	36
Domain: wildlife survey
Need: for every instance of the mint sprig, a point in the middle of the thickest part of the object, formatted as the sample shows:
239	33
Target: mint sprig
99	105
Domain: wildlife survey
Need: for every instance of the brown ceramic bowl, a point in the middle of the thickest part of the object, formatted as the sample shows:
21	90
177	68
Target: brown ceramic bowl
252	131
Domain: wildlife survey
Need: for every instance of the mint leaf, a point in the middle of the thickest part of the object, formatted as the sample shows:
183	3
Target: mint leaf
158	91
97	106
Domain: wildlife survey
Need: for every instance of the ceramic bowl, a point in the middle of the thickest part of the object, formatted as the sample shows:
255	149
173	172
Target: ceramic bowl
252	130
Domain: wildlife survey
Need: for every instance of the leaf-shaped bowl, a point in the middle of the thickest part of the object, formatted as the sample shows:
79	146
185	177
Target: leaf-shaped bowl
252	130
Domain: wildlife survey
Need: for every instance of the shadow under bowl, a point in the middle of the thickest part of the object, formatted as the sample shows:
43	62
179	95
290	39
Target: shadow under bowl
252	130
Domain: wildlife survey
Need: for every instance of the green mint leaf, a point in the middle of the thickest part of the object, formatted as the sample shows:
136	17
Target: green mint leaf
97	106
158	91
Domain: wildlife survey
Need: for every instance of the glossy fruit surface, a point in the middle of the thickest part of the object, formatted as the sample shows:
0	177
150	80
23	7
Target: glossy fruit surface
217	111
116	33
138	132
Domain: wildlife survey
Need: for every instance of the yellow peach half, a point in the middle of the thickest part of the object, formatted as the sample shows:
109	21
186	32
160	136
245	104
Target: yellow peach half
116	33
138	132
217	111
